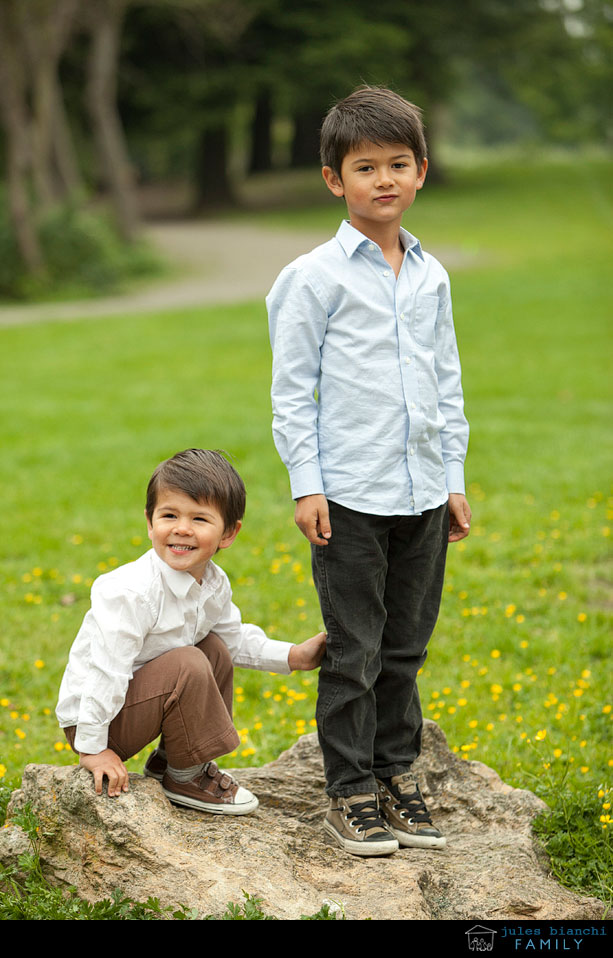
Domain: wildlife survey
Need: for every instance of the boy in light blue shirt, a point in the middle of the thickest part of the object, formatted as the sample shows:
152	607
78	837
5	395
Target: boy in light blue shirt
369	420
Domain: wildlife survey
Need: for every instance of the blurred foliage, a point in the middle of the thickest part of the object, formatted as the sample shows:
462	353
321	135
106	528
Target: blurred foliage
83	256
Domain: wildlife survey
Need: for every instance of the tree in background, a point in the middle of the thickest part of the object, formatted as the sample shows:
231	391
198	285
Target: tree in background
181	88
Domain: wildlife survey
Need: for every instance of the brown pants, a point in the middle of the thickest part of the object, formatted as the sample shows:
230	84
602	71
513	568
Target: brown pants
184	694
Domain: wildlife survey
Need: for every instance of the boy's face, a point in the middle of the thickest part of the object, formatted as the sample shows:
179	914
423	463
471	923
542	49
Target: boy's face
186	533
378	182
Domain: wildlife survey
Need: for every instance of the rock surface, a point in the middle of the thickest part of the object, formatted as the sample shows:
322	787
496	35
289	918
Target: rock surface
492	867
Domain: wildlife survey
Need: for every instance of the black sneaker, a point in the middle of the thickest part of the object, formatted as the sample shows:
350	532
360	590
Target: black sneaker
355	823
406	814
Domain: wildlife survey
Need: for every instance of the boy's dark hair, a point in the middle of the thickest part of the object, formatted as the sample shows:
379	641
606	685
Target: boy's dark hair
205	476
370	115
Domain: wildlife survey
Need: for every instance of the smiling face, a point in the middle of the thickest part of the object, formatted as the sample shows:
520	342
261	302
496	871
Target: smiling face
378	182
186	534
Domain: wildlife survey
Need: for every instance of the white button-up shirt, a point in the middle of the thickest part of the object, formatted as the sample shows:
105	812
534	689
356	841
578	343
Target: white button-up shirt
367	396
138	612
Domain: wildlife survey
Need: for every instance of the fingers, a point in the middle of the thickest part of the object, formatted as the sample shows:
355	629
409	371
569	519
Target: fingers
313	519
98	776
324	529
107	764
459	517
309	654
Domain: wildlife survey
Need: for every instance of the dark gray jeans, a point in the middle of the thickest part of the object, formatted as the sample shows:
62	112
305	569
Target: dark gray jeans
379	581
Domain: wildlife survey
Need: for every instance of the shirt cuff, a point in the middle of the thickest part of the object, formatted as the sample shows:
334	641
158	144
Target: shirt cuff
454	472
91	739
306	480
273	657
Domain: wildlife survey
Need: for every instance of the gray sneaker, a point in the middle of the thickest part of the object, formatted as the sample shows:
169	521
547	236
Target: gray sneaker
356	824
406	814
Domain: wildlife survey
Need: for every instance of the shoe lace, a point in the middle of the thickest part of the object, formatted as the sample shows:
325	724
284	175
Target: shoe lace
412	806
365	815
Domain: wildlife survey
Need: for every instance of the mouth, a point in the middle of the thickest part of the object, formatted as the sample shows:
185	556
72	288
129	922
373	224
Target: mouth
387	198
180	548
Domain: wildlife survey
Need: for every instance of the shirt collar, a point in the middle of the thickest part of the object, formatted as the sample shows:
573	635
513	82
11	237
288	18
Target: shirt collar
179	583
350	239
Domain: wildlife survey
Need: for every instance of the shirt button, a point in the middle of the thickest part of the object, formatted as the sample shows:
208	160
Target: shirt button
413	406
386	272
412	501
412	450
371	247
402	315
407	360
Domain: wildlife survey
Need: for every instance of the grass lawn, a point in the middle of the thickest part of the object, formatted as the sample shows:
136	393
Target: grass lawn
518	670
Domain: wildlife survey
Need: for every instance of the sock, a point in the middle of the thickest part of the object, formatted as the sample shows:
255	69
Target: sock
185	774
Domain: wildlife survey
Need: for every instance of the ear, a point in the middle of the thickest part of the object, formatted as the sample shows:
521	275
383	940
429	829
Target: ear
149	526
333	181
229	537
421	176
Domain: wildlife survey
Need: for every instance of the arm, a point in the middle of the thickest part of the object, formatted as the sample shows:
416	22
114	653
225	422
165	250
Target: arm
454	435
102	660
250	647
298	320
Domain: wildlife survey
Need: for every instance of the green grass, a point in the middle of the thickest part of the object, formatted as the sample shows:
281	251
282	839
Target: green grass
518	668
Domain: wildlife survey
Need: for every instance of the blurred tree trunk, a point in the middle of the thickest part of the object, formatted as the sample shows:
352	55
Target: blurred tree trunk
214	188
305	142
46	27
16	123
105	18
261	134
33	37
64	154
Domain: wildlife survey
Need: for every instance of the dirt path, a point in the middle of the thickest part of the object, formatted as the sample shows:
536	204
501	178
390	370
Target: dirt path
219	262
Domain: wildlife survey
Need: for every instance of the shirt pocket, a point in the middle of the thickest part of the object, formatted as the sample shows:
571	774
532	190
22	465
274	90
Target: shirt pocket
424	322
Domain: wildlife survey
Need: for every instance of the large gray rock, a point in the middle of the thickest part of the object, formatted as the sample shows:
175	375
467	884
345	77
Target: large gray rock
491	869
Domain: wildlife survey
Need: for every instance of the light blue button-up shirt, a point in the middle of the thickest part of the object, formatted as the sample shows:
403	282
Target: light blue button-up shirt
366	393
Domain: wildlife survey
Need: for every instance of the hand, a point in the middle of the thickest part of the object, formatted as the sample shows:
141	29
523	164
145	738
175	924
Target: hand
459	517
313	519
106	763
309	654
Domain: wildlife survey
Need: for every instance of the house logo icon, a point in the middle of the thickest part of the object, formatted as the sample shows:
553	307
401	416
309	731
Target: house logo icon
480	938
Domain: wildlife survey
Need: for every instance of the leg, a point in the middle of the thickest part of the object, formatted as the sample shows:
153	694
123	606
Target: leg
186	694
416	555
350	574
416	564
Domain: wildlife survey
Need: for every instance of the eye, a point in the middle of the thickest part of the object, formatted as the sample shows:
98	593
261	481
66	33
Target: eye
364	169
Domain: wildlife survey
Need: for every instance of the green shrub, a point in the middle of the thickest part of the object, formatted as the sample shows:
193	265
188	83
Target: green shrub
83	256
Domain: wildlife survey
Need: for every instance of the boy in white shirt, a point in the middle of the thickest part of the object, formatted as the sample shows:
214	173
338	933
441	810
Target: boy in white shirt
155	652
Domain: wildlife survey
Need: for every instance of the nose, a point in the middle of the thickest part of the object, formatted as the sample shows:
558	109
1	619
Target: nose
182	527
384	177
